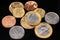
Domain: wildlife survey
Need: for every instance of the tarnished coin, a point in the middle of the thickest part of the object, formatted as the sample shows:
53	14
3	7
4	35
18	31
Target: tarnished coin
33	18
25	25
52	18
40	11
16	32
43	30
31	5
8	21
14	5
18	12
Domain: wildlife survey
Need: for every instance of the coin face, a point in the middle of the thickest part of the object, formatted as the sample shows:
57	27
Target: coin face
16	32
14	5
52	18
25	25
40	11
18	12
32	18
8	21
43	30
31	5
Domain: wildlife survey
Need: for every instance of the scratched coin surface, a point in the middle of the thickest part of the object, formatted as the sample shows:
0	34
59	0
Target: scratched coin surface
18	12
52	18
43	30
14	5
16	32
25	25
32	18
40	11
31	5
8	21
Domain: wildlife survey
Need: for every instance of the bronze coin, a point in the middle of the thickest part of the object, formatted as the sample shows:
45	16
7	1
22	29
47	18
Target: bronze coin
31	5
8	21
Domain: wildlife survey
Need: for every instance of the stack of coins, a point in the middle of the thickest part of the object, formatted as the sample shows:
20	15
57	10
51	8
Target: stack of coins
32	19
17	9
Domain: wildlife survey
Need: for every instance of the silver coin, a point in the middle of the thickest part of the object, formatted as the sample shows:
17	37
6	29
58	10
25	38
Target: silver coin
52	18
32	18
43	30
16	32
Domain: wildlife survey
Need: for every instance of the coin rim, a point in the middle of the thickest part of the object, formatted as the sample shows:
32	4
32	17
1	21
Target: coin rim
40	36
26	27
40	13
30	12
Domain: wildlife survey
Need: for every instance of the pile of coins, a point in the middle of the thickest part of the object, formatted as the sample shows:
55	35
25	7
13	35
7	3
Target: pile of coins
31	19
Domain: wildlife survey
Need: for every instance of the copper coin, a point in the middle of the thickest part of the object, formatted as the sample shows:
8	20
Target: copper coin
43	30
40	11
25	25
31	5
33	18
8	21
14	5
18	12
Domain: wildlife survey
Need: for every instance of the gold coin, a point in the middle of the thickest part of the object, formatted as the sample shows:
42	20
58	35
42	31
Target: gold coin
14	5
33	18
8	21
40	11
18	12
43	30
25	25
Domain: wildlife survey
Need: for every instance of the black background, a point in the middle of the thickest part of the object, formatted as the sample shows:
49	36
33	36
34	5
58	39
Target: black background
48	5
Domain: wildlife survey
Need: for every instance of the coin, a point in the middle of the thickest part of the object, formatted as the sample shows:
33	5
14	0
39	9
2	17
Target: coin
18	12
25	25
43	30
32	18
16	32
31	5
14	5
40	11
52	18
8	21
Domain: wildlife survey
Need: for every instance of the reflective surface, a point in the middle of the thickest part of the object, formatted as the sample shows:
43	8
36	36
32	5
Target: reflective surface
43	30
33	18
16	32
52	18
